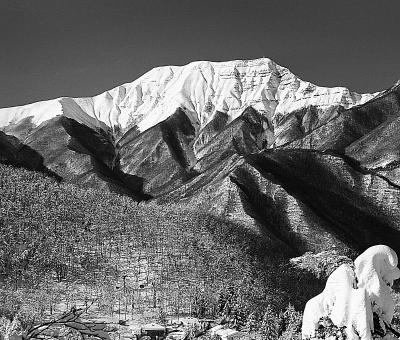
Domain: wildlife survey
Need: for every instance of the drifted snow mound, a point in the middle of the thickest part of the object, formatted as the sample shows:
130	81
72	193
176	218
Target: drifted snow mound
354	295
201	88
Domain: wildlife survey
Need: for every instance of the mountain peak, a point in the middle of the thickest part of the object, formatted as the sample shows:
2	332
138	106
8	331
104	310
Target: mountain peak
202	88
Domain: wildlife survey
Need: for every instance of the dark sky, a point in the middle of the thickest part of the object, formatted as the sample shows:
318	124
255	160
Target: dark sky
52	48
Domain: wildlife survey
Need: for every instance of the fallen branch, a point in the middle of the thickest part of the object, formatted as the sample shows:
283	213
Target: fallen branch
395	332
71	320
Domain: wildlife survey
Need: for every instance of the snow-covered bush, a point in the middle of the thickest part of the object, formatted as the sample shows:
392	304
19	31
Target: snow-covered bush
356	299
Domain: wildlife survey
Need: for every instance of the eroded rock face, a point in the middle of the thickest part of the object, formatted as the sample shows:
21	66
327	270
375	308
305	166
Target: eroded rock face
356	297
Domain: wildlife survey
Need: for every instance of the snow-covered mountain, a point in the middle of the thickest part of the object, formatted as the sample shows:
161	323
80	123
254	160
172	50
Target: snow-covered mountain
308	166
202	88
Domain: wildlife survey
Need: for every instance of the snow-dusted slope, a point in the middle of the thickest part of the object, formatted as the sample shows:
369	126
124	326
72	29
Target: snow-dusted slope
201	88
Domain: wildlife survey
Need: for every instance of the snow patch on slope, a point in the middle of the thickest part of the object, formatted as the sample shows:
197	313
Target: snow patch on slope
40	112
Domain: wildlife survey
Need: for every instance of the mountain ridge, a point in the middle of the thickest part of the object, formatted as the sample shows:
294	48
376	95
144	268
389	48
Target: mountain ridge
260	83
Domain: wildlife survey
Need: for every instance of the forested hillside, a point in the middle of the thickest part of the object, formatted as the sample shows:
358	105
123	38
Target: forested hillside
63	245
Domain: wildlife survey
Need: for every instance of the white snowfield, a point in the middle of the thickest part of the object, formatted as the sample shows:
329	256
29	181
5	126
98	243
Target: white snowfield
201	88
352	296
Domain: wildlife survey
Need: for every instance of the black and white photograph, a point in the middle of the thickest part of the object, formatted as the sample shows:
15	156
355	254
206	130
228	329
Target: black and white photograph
199	169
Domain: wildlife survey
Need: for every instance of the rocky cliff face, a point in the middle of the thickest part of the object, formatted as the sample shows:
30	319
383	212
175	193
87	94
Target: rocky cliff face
311	167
